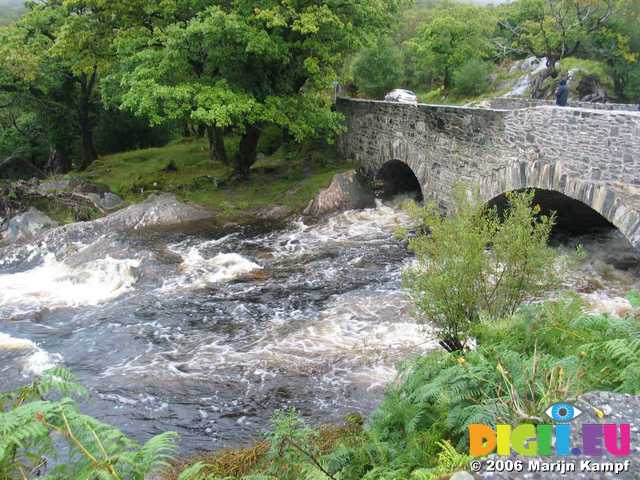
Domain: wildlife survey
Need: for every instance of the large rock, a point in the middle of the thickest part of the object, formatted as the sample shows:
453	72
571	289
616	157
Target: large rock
27	225
348	191
596	407
106	201
100	195
162	209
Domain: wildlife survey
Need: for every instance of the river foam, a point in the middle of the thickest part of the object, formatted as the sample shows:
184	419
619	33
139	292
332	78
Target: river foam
34	360
53	284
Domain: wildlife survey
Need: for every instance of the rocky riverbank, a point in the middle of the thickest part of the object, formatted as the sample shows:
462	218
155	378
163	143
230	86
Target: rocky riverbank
29	206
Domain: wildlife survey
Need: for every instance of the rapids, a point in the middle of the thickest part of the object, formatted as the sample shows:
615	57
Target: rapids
208	332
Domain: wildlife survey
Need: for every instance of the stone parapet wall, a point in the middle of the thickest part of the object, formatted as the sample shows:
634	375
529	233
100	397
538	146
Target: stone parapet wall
514	103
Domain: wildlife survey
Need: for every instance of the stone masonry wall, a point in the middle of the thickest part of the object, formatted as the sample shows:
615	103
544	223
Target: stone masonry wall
590	155
513	103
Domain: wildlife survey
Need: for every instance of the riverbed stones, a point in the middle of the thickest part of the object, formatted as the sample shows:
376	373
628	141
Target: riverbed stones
100	195
27	225
347	191
158	211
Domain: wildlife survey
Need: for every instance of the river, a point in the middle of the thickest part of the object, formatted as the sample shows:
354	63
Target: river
207	331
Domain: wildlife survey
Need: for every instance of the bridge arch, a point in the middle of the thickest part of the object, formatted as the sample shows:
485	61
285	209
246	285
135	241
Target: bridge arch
396	177
560	190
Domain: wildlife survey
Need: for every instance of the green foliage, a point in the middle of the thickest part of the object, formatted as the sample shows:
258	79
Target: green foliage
294	449
453	35
474	263
378	69
472	78
293	177
542	354
634	298
245	66
449	460
555	30
31	428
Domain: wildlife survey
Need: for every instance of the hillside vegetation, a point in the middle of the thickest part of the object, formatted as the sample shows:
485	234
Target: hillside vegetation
456	52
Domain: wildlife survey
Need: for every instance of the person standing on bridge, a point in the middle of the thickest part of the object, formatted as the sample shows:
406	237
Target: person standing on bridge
562	94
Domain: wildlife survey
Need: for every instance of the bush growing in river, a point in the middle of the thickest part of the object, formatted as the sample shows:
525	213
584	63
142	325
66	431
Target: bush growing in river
477	262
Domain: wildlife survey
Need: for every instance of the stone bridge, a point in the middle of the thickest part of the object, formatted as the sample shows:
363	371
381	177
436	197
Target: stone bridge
574	157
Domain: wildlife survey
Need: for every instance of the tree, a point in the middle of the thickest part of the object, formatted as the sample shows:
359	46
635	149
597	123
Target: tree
378	69
36	99
619	46
472	77
475	263
67	44
244	65
453	35
555	29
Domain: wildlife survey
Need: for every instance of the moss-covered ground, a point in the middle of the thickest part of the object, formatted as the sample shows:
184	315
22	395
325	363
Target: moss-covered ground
286	178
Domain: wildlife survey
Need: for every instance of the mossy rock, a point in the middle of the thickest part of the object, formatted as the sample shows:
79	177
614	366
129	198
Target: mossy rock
586	77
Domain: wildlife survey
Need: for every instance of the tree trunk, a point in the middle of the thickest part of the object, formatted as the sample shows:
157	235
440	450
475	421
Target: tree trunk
446	81
217	152
452	344
87	148
58	162
247	151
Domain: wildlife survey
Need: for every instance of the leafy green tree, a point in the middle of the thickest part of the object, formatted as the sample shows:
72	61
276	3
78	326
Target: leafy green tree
378	69
56	51
36	98
619	46
55	58
453	35
472	78
245	65
556	29
475	263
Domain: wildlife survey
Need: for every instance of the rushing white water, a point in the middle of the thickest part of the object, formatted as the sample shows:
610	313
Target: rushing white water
54	284
34	360
208	334
198	271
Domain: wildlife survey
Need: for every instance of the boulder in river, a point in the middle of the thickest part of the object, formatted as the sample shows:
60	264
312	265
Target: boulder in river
162	209
27	225
348	191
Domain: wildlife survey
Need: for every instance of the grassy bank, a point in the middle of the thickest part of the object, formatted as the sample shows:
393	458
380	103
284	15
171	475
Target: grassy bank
286	178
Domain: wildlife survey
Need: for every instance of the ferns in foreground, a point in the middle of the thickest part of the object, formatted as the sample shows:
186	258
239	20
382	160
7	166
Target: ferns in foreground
32	429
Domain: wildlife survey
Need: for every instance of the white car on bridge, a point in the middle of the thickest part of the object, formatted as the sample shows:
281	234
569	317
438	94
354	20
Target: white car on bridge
400	95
